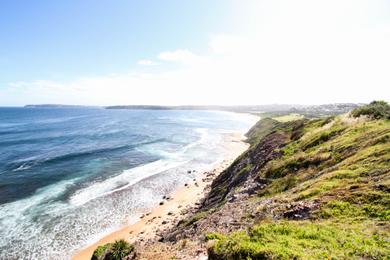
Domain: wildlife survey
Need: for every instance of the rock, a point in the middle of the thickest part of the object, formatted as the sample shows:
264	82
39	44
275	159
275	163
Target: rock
382	187
354	187
161	203
170	213
301	210
186	185
131	256
203	257
164	222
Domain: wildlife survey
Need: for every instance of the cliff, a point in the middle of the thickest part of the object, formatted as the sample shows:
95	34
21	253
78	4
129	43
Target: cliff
305	189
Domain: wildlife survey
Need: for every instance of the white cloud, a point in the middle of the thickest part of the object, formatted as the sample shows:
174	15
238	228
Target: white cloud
291	52
147	63
180	56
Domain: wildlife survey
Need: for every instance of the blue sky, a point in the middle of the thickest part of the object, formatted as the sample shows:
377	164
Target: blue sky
69	38
194	52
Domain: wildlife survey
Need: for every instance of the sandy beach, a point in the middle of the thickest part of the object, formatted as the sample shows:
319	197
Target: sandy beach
172	207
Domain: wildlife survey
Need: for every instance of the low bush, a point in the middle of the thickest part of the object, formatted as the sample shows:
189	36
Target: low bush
120	249
376	110
113	251
101	251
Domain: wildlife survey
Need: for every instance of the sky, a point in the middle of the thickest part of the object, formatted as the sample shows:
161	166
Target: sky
197	52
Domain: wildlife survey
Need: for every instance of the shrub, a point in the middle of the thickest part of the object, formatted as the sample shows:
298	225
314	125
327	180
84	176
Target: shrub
120	249
113	251
101	251
376	110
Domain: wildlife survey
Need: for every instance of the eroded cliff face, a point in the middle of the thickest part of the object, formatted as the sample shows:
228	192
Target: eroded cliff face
243	172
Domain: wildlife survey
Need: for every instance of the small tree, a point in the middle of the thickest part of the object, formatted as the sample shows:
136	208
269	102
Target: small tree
376	110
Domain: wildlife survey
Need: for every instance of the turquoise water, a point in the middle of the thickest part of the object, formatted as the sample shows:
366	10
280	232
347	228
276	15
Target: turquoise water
69	176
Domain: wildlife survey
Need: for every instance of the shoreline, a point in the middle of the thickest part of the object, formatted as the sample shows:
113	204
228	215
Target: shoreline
173	207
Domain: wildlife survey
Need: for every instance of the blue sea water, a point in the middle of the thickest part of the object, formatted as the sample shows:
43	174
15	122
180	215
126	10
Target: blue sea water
69	176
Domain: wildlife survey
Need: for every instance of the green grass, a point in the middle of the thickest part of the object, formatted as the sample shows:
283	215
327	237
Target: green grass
261	129
319	189
343	209
322	137
290	149
294	163
279	185
301	240
288	118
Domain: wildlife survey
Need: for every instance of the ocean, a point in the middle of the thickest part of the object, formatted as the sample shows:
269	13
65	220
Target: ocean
68	176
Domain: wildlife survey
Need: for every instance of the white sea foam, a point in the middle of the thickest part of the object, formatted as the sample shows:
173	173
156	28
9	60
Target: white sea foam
203	139
19	219
132	176
33	202
22	167
122	181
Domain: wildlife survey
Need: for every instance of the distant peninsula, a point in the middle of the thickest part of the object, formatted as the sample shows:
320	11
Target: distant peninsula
58	106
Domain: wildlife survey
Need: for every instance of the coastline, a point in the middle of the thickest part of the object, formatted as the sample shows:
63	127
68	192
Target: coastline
172	208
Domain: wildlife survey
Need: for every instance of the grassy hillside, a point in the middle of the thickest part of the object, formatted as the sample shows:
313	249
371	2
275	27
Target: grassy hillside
327	195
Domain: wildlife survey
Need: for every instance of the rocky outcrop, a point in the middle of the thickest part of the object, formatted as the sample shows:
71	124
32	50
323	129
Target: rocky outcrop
242	176
300	210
